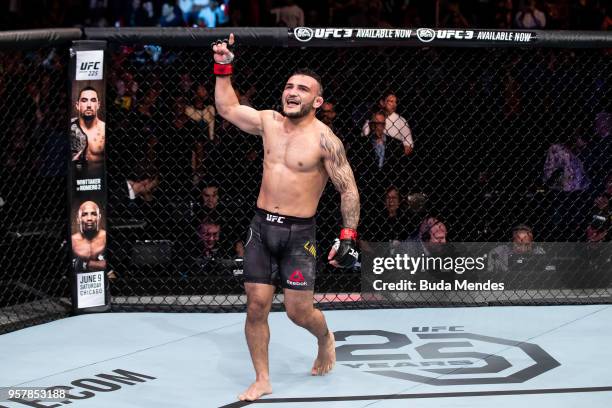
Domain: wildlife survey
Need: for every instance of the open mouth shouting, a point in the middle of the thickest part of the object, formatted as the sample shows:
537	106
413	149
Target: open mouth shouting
292	102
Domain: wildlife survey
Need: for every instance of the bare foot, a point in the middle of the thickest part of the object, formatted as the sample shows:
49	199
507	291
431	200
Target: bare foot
256	391
326	358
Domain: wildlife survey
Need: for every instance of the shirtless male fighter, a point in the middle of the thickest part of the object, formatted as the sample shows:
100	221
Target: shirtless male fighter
300	154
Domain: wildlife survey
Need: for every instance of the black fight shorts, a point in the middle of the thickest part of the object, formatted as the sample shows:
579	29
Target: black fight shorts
281	249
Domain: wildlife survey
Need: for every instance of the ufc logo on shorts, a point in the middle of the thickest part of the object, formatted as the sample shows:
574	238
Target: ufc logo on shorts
274	218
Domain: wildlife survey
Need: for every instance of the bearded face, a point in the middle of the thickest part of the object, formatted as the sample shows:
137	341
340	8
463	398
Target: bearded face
301	111
88	105
299	96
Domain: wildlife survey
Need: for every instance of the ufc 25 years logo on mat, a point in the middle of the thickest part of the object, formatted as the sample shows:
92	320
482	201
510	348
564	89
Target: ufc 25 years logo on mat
442	355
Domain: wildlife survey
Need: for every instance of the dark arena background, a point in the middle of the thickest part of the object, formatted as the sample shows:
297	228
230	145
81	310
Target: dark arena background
487	120
125	203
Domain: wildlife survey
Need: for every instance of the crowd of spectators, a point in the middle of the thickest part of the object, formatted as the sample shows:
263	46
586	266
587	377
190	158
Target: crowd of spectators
529	14
171	157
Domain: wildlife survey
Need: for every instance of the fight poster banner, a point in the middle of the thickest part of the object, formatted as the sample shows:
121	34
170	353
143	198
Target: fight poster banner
87	177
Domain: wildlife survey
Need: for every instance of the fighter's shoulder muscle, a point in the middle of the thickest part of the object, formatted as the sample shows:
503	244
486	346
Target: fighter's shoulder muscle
328	139
270	119
271	115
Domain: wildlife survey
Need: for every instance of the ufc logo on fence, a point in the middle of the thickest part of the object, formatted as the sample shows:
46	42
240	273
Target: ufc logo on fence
275	218
89	65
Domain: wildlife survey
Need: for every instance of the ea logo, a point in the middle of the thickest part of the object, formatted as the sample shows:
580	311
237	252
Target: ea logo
426	34
302	34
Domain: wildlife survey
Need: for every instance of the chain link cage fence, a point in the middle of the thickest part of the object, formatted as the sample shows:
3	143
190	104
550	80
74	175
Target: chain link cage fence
34	255
481	139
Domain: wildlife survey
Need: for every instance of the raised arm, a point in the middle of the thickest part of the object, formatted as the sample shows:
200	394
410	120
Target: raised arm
341	175
226	102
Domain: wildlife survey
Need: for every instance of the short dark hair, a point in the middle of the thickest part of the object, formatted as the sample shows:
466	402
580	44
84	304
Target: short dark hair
379	112
309	72
207	183
387	94
209	221
522	227
392	188
88	88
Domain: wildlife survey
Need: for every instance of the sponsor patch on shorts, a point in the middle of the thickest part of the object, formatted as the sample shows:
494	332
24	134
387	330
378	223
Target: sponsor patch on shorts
310	248
297	279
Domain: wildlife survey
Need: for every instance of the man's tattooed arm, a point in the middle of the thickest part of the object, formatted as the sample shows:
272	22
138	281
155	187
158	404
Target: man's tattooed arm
341	175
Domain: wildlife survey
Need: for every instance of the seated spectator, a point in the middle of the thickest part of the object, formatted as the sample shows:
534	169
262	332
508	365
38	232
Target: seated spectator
598	233
209	232
171	15
395	125
530	17
565	175
602	202
211	15
140	14
185	85
203	115
208	204
522	243
212	204
327	114
599	150
368	13
376	159
432	230
429	240
210	197
454	18
503	14
126	89
563	168
290	15
214	246
599	225
186	7
147	108
390	224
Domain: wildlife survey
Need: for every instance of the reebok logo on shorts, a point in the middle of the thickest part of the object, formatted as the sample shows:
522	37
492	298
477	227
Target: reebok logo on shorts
296	279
